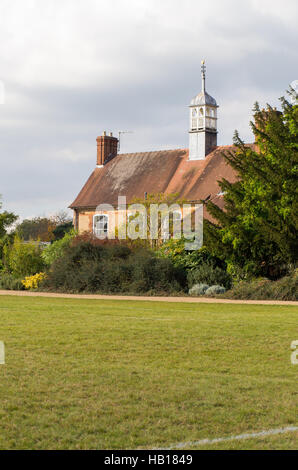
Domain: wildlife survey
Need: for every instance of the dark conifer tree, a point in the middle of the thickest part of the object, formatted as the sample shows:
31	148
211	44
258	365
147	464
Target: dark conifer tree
256	233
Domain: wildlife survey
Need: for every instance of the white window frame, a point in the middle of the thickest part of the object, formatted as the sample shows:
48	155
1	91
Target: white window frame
98	232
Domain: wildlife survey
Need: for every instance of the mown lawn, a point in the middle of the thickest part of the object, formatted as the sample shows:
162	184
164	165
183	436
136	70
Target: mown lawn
90	374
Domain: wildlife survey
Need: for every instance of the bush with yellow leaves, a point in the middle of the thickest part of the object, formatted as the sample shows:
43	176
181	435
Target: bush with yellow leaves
33	282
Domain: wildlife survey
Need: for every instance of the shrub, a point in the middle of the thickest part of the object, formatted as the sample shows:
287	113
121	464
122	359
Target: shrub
198	289
107	268
90	238
175	251
23	259
57	248
9	282
150	273
206	273
214	290
285	288
33	282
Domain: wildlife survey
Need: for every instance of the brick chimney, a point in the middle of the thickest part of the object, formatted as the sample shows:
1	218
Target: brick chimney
107	147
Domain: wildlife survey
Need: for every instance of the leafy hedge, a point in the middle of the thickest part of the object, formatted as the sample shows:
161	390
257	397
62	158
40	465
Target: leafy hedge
90	265
285	288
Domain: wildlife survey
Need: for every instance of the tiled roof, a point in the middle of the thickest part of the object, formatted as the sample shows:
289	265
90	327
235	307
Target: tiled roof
167	171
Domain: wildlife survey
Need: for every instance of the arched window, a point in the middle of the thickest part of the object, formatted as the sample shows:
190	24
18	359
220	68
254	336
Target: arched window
101	225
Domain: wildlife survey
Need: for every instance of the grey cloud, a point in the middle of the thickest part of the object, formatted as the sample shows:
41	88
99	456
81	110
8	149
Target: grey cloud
143	78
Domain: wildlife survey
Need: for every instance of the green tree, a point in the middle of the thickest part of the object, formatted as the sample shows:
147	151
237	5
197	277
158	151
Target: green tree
62	229
23	259
6	220
256	233
37	228
56	250
45	228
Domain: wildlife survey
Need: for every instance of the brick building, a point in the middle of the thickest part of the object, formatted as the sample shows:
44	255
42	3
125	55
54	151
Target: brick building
192	173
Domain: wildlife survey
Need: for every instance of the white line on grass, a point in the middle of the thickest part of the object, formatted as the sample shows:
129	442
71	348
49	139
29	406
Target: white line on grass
269	432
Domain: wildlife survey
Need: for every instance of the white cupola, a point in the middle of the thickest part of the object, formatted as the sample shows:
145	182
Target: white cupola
203	122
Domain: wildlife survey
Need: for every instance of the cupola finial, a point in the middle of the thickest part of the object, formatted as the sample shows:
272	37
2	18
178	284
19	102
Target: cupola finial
203	70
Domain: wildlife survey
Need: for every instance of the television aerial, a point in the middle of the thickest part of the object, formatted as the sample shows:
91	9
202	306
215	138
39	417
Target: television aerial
119	138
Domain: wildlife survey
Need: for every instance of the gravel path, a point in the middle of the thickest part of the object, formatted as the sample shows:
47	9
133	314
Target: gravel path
152	299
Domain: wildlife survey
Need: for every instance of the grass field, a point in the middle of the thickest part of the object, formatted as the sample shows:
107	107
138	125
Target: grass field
89	374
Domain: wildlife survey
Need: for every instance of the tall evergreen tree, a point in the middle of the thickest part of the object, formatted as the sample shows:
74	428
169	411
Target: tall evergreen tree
257	230
6	220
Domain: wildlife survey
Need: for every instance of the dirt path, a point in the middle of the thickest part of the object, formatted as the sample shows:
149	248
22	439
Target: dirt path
152	299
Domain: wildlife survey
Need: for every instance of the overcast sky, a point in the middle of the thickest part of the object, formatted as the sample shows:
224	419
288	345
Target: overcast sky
73	68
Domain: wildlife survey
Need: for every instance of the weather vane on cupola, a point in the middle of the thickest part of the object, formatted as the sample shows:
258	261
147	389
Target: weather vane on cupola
203	122
203	70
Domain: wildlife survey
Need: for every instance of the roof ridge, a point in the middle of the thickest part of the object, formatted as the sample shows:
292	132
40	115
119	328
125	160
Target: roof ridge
179	150
154	151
